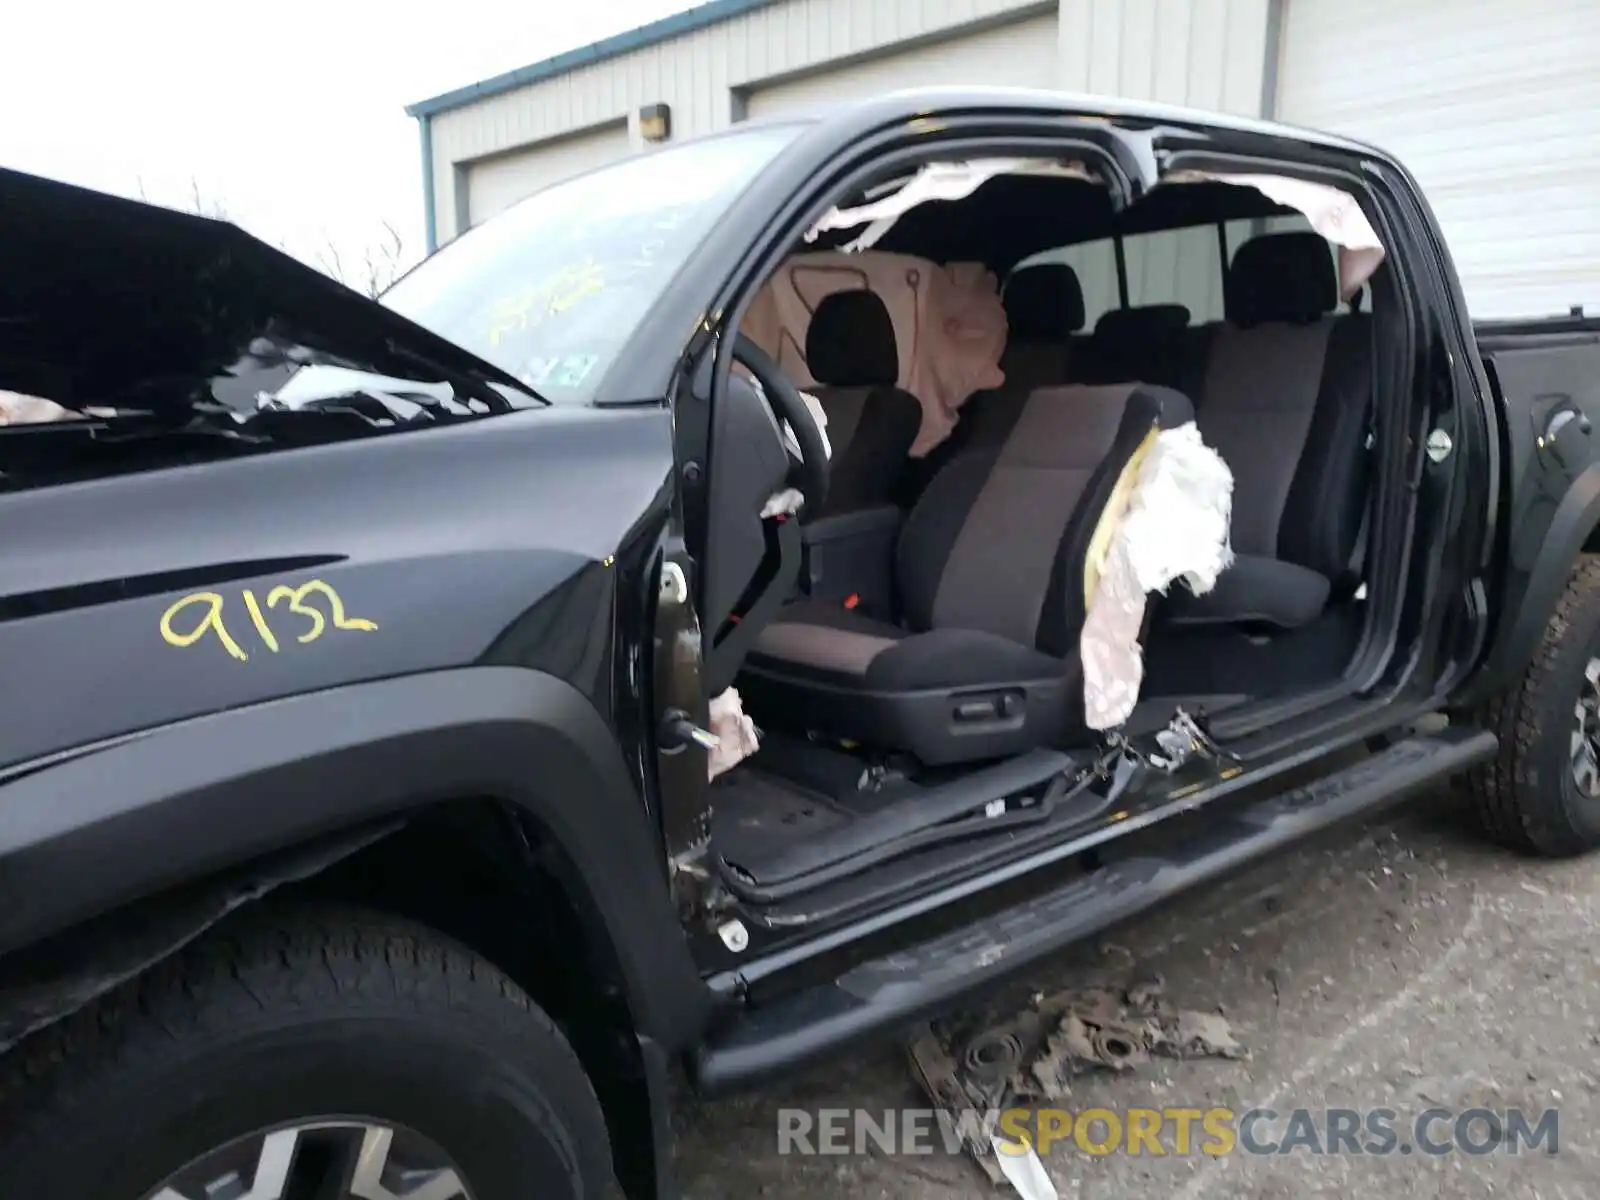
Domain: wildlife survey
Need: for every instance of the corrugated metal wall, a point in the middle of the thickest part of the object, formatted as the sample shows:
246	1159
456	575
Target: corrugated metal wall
1497	121
1207	53
1022	52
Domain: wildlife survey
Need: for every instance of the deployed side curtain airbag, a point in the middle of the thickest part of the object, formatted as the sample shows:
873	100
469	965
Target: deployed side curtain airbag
935	181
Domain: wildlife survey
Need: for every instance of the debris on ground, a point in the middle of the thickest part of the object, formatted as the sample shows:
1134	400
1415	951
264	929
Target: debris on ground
989	1063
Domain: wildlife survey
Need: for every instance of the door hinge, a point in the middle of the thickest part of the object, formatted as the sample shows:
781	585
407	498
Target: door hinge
678	731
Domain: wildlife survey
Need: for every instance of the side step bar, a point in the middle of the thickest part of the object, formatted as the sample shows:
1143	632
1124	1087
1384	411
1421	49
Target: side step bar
884	994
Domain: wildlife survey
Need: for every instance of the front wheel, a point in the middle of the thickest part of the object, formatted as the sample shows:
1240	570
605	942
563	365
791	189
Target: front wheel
324	1056
1541	794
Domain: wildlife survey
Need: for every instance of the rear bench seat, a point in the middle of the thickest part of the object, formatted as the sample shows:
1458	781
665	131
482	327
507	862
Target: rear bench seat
1285	396
1153	343
1282	390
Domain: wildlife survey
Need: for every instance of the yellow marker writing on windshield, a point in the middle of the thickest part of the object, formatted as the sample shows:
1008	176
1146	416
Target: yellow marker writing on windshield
298	602
575	285
510	316
556	293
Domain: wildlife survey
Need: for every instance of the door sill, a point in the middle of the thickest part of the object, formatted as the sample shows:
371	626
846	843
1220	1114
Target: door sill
882	994
900	893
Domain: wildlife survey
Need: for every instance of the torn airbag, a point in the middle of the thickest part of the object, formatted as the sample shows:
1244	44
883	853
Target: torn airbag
1167	521
1332	212
935	181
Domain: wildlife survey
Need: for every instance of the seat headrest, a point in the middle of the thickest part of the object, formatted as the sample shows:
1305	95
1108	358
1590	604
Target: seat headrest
1166	407
850	342
1281	277
1146	321
1043	303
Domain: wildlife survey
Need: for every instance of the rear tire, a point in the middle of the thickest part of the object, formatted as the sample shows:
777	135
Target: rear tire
1529	797
282	1021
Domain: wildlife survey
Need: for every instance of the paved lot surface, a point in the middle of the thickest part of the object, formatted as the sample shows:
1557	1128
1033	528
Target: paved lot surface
1402	966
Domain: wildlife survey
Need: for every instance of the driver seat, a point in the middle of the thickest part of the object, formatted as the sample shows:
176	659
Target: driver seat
981	661
872	422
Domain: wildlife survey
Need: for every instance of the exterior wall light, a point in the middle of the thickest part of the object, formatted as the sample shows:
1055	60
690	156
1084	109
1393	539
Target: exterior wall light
655	122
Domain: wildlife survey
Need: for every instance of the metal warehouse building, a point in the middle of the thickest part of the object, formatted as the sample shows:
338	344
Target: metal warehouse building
1493	103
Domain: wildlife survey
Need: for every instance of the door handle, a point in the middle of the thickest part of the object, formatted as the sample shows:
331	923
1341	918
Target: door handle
1561	419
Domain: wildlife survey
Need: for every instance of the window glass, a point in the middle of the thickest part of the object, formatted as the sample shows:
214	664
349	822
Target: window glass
1240	232
550	289
1174	266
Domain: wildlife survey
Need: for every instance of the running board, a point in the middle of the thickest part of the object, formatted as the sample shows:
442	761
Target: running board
888	993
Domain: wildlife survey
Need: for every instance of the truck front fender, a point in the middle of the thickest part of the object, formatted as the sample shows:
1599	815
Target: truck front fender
40	988
84	833
1537	569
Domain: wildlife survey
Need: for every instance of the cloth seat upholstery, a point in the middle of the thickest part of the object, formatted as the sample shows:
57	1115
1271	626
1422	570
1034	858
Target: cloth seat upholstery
981	660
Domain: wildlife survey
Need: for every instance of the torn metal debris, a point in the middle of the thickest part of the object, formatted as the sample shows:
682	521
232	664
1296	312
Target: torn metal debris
978	1063
1183	739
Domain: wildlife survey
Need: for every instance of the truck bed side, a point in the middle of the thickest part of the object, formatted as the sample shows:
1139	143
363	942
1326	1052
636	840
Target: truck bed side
1546	379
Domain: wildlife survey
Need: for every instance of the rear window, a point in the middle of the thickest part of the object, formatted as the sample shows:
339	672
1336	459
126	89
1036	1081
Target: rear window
1174	266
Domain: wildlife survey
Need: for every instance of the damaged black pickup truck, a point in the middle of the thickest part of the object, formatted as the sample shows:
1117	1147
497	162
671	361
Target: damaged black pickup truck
434	728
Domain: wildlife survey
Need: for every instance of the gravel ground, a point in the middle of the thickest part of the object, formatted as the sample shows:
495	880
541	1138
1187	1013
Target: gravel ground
1403	966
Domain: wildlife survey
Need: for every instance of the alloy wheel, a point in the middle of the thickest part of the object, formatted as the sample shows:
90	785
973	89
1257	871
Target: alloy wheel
1586	734
321	1160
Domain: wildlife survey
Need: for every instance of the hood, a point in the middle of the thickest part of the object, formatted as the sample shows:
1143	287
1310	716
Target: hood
113	302
405	398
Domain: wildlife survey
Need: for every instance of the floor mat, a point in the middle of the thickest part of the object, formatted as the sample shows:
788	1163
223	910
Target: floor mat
752	811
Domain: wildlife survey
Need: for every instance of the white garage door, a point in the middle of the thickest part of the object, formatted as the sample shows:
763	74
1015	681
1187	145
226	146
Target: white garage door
497	183
1495	107
1021	54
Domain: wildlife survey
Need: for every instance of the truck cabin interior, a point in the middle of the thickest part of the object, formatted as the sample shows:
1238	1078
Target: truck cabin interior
923	685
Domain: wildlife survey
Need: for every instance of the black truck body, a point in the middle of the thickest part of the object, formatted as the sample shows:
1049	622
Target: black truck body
452	664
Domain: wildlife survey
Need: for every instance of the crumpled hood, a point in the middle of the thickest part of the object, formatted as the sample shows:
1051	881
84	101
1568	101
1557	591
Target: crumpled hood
107	301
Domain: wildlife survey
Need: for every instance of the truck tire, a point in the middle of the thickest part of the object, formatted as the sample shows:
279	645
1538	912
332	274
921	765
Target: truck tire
1541	794
353	1054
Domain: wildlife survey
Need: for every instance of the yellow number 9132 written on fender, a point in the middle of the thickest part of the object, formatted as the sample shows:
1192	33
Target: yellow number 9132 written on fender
190	619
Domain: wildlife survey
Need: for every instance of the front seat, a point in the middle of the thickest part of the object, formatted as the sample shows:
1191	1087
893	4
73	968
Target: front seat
852	354
1044	309
981	661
